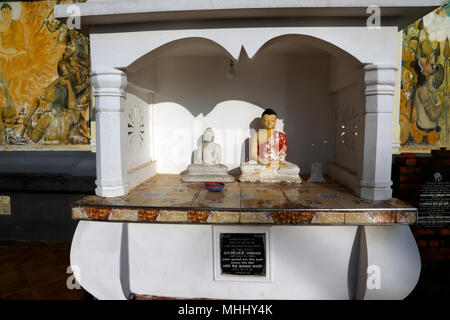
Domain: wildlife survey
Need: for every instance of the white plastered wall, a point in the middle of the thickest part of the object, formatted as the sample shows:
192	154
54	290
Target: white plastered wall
347	88
140	163
194	93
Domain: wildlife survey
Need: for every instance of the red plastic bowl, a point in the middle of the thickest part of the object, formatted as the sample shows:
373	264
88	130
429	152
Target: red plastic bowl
214	186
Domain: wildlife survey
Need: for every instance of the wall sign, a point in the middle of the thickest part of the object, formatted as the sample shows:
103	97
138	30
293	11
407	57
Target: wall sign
434	206
5	205
242	253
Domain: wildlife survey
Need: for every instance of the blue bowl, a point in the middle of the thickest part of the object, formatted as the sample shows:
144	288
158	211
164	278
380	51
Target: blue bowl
214	186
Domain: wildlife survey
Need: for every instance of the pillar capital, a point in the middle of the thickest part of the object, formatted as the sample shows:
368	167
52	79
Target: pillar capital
109	78
109	85
380	87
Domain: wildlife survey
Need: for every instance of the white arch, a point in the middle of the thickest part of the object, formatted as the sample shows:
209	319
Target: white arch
121	49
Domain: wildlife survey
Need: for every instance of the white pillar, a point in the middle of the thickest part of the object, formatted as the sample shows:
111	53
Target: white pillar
111	128
375	182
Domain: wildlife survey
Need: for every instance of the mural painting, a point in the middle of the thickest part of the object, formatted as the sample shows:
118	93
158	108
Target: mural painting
424	96
45	93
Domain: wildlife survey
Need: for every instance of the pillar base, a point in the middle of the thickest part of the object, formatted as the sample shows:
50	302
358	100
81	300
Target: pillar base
111	190
372	193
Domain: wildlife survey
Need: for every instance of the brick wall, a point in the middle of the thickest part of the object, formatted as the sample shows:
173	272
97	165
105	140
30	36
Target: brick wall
433	243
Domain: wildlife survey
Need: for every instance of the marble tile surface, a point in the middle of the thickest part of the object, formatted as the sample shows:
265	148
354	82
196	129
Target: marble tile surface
166	199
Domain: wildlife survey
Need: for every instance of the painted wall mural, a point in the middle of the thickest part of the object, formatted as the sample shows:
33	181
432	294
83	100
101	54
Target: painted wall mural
424	96
45	92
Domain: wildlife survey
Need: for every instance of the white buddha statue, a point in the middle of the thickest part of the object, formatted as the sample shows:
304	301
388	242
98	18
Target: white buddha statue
268	149
207	166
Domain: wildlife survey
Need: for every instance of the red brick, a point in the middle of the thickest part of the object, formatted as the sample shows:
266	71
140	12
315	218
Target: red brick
409	186
426	232
404	161
441	153
434	254
434	243
429	254
407	155
408	178
444	255
424	161
422	243
445	243
407	170
441	161
444	232
410	196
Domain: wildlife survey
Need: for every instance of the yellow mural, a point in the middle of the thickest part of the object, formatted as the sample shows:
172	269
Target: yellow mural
424	95
45	93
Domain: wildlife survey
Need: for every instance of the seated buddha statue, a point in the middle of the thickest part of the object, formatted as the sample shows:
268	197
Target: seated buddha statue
268	149
207	166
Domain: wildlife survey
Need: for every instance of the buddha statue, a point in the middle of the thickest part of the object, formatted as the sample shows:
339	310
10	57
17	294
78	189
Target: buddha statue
207	166
268	150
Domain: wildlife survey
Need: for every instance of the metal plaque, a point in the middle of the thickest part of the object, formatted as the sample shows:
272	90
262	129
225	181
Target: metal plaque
243	254
5	205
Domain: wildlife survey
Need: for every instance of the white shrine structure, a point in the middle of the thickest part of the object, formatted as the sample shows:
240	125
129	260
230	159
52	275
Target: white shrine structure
164	71
325	67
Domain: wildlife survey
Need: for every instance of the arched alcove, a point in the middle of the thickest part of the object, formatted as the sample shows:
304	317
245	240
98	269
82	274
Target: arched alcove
305	79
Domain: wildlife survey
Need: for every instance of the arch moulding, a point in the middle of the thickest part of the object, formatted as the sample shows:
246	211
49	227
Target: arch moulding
120	49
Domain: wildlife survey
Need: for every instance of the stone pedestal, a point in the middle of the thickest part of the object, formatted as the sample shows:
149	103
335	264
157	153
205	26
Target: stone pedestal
255	172
205	173
331	262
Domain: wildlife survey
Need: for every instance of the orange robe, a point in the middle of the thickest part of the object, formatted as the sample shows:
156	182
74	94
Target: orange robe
13	37
275	148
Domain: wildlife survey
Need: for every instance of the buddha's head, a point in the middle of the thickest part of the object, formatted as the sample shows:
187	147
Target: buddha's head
208	136
269	119
6	12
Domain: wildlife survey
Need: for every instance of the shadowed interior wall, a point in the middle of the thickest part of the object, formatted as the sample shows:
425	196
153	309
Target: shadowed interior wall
194	92
347	87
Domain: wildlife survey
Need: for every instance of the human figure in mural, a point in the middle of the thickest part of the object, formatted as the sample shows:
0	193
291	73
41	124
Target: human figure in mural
12	39
74	66
76	72
426	112
69	38
7	109
57	115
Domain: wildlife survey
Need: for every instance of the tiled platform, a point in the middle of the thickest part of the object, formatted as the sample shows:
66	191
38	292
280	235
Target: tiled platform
166	199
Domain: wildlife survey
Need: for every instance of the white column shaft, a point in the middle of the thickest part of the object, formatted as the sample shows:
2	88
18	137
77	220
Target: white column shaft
376	181
111	127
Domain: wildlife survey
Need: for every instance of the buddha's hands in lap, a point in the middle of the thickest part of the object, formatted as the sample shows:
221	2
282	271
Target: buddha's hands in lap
272	164
278	164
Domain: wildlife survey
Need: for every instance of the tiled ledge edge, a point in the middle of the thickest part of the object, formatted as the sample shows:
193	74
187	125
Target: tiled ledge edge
304	217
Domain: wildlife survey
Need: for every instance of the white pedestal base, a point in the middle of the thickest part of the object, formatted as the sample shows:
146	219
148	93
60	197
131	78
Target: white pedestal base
207	173
112	260
254	172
